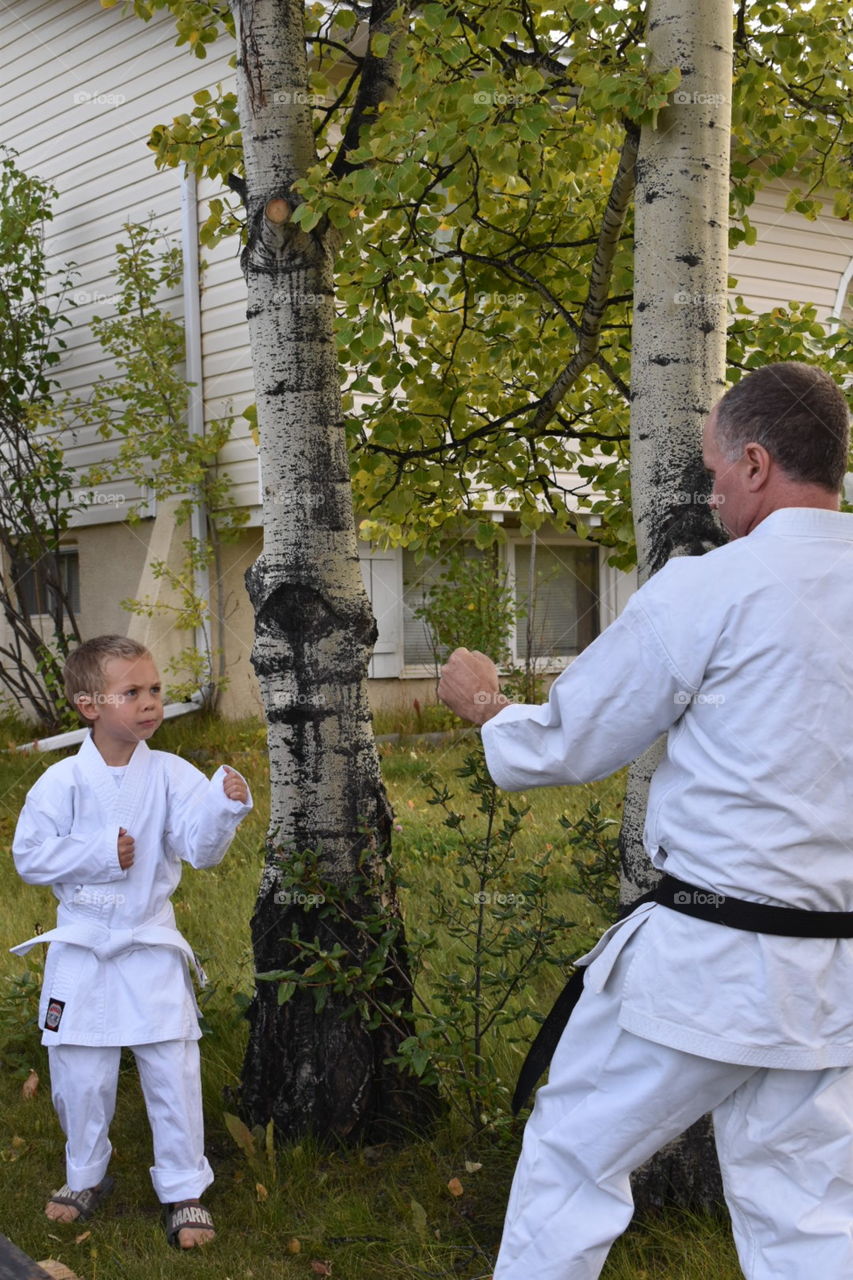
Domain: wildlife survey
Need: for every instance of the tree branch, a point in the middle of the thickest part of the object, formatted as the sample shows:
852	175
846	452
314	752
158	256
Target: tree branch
599	280
378	82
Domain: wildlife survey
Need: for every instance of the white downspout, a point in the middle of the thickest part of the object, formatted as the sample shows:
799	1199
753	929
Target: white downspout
195	402
73	736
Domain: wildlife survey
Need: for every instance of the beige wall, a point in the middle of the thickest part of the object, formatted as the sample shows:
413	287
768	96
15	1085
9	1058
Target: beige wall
241	696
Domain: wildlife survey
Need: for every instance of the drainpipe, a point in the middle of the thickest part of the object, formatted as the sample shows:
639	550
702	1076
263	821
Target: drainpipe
73	736
195	402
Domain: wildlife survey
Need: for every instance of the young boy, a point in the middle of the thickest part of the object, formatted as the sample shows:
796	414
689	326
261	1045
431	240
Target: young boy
107	829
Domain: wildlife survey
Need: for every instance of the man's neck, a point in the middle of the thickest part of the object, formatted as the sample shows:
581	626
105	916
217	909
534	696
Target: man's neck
815	497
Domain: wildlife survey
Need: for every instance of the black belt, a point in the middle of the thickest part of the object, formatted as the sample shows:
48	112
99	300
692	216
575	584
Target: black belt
756	917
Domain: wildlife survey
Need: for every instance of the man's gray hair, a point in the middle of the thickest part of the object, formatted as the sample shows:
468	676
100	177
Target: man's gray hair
799	415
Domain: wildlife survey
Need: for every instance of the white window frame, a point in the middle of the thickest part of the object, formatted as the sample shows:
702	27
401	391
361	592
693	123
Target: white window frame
553	665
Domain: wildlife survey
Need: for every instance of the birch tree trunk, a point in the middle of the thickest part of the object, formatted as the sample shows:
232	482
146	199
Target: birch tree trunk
677	373
313	1071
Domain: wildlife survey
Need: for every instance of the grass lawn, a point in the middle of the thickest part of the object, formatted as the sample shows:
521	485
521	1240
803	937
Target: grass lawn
373	1214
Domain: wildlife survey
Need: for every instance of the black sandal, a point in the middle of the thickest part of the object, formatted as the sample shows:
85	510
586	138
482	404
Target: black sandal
85	1202
185	1214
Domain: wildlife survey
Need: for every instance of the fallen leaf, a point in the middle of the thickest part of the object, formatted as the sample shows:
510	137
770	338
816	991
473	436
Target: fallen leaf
83	1236
472	1167
419	1217
261	1192
293	1245
29	1088
241	1134
18	1141
321	1268
455	1187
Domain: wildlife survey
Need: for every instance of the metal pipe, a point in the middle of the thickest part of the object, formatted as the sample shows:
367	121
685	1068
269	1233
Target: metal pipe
73	736
195	401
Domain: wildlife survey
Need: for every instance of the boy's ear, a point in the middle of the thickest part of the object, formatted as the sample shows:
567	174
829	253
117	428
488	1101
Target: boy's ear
86	706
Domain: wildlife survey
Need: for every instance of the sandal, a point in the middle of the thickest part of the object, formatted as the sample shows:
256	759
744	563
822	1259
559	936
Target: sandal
178	1216
85	1202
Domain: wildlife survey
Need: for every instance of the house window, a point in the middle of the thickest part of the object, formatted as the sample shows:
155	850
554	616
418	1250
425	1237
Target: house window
559	609
33	577
418	577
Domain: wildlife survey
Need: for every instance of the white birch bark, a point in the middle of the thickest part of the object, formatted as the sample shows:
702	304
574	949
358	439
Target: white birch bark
677	373
314	630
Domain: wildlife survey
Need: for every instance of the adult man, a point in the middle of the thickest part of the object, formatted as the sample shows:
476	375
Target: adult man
744	658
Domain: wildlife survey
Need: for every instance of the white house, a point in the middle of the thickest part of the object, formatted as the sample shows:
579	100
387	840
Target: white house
82	88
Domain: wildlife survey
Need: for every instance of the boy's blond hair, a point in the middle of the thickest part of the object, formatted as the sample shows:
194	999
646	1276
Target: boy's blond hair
84	668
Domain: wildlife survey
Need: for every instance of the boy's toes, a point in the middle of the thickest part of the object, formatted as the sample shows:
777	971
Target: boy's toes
189	1237
61	1212
189	1224
66	1205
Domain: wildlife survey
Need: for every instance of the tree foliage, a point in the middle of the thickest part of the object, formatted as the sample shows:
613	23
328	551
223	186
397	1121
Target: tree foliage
485	272
144	407
37	498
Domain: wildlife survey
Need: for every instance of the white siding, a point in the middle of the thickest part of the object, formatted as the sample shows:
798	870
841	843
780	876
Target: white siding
82	88
792	260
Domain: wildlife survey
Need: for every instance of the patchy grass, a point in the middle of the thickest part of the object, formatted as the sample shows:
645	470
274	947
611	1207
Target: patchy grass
379	1213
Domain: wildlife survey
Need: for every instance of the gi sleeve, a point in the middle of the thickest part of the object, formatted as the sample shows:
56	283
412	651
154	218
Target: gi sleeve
618	696
45	849
201	820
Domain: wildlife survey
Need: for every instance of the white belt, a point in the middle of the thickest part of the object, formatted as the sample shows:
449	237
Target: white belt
106	942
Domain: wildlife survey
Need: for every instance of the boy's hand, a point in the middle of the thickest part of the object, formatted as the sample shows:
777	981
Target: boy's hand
126	846
234	786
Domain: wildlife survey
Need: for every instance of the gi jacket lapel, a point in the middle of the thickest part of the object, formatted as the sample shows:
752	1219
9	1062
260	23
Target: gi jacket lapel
118	804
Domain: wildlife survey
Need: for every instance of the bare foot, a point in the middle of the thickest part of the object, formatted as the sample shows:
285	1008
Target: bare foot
59	1210
192	1237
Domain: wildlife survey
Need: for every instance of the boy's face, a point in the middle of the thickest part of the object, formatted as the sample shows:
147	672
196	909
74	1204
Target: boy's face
129	707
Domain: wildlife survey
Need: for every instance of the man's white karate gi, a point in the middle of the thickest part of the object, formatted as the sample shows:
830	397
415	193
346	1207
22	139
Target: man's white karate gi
117	967
743	657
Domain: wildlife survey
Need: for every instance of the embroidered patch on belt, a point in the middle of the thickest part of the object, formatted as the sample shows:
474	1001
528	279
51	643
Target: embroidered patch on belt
53	1017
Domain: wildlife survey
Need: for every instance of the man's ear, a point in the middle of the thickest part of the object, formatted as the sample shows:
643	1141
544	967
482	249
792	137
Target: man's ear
758	463
86	705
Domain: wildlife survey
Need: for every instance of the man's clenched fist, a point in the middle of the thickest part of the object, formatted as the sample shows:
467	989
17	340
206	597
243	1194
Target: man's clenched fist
469	685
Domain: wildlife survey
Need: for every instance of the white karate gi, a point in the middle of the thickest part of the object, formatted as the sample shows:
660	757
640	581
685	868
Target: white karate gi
744	658
116	971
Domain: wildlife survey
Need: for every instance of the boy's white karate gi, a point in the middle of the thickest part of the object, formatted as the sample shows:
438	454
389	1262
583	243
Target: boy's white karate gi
117	968
744	658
